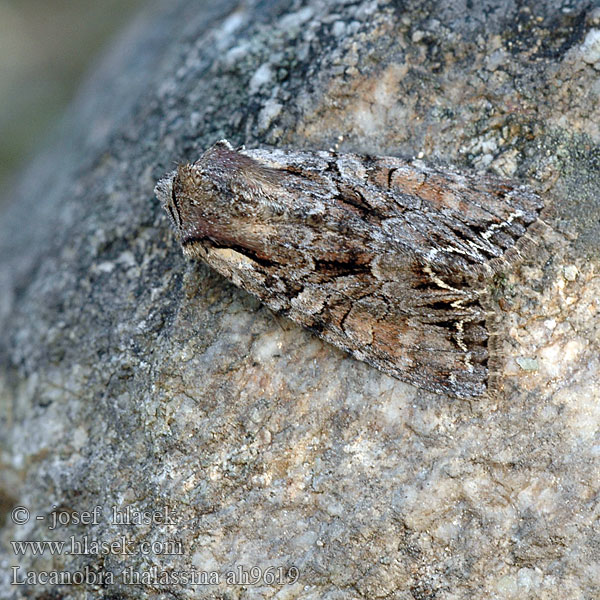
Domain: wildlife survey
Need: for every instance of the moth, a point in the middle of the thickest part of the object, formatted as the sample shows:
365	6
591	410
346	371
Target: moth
390	260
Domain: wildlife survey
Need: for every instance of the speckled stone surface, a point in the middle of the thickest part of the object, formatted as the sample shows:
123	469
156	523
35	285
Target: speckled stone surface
132	378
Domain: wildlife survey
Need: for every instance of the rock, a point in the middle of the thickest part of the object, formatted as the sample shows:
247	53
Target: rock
134	381
590	48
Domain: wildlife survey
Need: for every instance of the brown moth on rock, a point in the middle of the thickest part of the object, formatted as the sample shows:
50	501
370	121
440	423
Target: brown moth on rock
387	259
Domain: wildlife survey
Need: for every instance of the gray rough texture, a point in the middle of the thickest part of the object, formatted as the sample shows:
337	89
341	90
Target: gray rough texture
131	377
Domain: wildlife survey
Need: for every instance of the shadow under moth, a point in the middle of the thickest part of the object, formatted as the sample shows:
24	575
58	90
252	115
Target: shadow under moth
389	260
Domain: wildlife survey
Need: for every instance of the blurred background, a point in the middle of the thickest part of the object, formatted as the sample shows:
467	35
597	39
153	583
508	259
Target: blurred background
46	46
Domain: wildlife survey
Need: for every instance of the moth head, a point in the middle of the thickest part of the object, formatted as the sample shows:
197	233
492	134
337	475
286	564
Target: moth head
214	198
186	196
164	193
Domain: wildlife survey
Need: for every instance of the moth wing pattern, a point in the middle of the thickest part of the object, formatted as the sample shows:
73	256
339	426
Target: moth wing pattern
387	259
